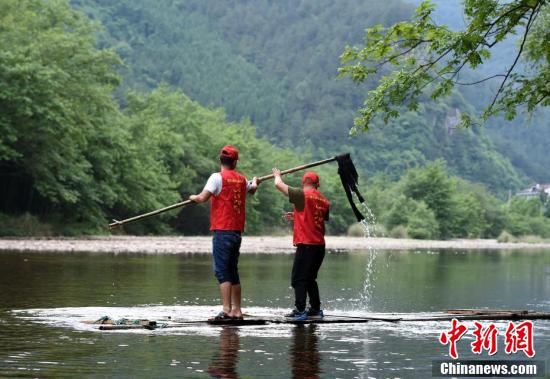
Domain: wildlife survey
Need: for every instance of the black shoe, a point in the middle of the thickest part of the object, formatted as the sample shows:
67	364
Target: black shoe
222	316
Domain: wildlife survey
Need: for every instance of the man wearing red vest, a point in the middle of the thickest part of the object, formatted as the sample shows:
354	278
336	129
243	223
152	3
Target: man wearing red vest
311	210
227	191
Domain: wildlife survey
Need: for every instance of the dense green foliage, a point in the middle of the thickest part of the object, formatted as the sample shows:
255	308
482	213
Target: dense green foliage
73	158
272	61
429	58
56	112
276	62
77	148
429	203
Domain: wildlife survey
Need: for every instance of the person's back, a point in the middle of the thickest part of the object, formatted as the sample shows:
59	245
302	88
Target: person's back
229	206
311	210
227	191
309	223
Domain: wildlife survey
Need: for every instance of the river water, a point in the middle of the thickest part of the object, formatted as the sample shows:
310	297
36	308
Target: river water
45	298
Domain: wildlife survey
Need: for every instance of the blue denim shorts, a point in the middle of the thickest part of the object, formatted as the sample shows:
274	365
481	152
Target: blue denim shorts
225	247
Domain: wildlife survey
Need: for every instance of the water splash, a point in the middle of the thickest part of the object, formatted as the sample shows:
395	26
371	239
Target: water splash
369	230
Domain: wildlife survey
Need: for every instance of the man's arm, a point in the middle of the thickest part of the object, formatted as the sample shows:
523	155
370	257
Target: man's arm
202	197
279	184
213	187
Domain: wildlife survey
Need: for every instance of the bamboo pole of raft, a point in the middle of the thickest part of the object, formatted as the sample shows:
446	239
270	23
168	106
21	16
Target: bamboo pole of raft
498	316
117	223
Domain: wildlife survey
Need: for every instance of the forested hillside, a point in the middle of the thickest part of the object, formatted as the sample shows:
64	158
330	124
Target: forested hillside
110	119
71	158
275	62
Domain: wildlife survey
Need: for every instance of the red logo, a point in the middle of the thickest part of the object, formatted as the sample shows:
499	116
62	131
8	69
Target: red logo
485	339
453	336
517	338
520	337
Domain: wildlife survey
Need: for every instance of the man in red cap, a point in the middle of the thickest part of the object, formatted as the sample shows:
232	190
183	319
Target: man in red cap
227	191
311	210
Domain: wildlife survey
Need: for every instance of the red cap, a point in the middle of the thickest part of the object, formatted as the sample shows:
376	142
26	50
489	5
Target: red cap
230	152
311	176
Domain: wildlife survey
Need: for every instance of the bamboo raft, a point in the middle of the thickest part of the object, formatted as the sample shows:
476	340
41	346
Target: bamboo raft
447	315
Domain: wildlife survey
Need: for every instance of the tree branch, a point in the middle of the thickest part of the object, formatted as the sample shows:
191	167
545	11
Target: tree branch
395	56
491	24
525	34
544	96
479	81
490	32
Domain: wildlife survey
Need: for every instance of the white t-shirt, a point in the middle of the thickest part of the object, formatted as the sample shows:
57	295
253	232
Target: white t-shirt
214	184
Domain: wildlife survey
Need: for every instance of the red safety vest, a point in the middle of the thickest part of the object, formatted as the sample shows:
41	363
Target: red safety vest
309	224
227	209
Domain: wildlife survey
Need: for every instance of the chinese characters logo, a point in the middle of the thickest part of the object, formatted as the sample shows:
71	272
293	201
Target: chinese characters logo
518	337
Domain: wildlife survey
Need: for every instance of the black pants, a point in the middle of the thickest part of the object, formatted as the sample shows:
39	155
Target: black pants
307	261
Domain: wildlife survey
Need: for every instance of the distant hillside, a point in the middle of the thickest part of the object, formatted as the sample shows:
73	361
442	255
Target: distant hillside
275	62
524	141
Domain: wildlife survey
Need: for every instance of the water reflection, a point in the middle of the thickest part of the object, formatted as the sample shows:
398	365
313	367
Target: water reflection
224	362
305	360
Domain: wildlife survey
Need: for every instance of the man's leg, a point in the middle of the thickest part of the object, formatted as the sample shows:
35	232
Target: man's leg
225	292
220	258
236	301
234	276
317	256
299	278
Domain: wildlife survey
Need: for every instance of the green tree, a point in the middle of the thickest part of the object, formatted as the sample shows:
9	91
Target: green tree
523	206
399	212
478	213
56	108
414	215
428	58
422	223
469	218
433	186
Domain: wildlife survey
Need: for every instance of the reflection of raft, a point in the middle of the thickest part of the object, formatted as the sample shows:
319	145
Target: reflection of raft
106	323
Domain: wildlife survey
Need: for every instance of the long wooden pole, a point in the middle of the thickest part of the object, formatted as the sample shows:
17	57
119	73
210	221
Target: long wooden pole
117	223
299	168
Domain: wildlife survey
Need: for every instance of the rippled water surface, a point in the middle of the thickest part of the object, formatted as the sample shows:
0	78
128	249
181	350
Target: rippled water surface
45	299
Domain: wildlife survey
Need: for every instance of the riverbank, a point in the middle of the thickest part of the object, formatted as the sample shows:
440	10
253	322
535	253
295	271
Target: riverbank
282	244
